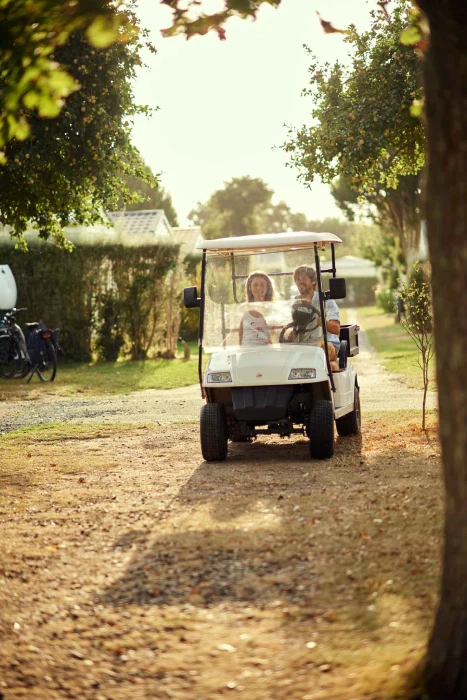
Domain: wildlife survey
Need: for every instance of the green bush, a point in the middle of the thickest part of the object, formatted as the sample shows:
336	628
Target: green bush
97	295
385	300
189	325
110	340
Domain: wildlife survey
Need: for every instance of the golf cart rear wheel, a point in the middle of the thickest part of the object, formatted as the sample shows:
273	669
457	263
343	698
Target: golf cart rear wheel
213	432
321	429
350	424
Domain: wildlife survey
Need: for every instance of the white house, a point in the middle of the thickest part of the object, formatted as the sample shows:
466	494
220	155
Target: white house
152	223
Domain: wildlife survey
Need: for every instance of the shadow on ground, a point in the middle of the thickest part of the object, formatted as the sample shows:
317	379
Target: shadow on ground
270	524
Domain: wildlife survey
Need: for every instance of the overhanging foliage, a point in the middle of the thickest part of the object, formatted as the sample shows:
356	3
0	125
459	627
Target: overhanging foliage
68	168
361	125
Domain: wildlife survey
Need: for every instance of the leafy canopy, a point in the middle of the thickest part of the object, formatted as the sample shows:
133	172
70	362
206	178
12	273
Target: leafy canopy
245	207
31	78
361	124
70	167
396	213
236	210
190	21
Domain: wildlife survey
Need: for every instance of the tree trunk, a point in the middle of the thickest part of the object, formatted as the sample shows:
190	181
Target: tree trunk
446	110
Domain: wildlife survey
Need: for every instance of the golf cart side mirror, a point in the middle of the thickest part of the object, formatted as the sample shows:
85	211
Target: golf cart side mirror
337	288
190	297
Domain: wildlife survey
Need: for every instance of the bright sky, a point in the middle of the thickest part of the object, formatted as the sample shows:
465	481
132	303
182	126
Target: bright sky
223	104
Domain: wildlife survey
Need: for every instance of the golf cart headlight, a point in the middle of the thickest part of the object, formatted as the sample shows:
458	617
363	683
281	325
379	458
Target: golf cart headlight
214	377
302	374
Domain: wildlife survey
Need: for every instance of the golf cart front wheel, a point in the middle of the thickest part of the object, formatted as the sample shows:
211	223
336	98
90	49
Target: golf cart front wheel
350	424
213	432
321	429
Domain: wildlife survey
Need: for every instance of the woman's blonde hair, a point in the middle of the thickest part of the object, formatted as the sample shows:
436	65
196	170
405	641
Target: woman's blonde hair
270	296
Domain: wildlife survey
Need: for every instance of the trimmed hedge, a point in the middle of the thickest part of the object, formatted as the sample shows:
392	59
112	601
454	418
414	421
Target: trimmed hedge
102	297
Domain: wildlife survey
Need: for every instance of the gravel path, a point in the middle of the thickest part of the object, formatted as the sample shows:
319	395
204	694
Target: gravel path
380	391
156	406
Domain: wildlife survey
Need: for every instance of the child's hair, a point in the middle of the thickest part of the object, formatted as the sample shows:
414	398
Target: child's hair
270	296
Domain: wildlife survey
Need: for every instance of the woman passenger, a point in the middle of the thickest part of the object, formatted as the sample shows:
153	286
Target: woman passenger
253	327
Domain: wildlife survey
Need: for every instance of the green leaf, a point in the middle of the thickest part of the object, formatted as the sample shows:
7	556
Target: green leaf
31	99
48	106
17	128
61	82
103	31
22	129
410	35
417	108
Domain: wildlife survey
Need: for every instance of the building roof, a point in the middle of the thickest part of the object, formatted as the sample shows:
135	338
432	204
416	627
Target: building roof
137	222
291	240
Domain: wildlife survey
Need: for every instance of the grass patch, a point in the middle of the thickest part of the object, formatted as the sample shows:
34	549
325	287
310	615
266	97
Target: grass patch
102	378
57	432
395	348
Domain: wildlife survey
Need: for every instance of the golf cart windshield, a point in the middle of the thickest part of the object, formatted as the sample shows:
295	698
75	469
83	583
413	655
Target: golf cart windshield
251	300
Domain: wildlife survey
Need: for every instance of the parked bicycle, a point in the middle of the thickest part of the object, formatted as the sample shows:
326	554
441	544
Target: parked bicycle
14	357
20	356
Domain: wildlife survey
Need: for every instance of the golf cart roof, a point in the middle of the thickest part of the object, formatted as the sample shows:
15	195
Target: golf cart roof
267	242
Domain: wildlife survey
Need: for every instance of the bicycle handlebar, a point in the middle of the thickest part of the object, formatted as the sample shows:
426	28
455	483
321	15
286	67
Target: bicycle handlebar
13	312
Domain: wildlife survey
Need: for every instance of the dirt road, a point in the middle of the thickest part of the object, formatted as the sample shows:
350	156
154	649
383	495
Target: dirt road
132	570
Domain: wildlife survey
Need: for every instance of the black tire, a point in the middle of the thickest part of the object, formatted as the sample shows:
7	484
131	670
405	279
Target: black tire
213	432
350	424
321	429
23	364
47	367
11	362
26	368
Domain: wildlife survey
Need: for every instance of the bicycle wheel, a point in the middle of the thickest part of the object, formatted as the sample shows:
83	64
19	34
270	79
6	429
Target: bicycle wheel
10	358
22	361
47	367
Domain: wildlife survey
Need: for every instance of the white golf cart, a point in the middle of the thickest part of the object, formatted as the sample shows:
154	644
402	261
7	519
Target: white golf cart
262	380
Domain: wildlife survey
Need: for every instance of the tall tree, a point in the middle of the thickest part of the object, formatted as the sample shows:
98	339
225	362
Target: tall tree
397	211
446	115
245	207
150	195
69	169
238	209
362	131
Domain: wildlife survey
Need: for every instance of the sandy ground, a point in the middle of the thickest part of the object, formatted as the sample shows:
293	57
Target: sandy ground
380	391
132	570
